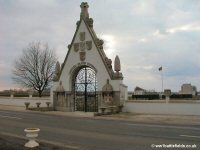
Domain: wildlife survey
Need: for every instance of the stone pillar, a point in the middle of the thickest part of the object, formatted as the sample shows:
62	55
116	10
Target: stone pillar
167	93
11	94
30	93
54	99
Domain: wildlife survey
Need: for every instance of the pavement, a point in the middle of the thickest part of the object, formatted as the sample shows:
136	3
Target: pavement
142	118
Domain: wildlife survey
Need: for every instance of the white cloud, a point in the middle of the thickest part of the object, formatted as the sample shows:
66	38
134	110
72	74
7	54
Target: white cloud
139	67
109	45
143	40
172	30
159	33
142	7
184	28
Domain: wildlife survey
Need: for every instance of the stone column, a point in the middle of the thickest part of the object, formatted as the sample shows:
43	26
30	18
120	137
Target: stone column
11	94
30	93
167	93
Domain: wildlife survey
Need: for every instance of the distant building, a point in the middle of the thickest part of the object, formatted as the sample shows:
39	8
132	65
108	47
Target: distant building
142	94
139	91
188	89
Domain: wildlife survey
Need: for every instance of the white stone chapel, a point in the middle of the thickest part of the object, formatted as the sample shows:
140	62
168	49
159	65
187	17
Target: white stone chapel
87	81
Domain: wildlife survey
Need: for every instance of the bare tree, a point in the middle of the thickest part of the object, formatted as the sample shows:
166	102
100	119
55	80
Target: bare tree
35	68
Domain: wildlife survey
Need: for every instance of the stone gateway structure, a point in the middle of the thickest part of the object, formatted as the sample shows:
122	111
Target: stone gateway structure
86	80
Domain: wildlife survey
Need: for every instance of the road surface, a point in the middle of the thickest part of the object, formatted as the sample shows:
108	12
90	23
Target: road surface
100	134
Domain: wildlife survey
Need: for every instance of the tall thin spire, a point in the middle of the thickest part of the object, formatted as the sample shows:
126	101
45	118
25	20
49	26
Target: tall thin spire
84	10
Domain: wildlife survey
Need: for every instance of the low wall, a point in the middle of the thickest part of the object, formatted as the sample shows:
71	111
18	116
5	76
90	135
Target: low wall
20	101
181	107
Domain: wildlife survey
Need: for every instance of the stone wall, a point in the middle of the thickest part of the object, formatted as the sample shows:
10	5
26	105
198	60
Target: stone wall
180	107
20	101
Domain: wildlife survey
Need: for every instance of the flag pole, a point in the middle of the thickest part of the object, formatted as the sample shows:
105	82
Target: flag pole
161	69
162	80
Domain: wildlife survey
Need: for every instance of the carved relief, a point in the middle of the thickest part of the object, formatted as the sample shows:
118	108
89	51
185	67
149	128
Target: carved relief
76	47
90	22
77	23
100	43
82	36
89	45
82	46
82	56
69	46
107	92
108	62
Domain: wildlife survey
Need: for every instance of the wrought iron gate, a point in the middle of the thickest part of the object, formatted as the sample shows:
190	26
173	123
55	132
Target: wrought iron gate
85	90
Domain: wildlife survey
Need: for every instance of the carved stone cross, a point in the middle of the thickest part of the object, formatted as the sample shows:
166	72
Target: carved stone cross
82	46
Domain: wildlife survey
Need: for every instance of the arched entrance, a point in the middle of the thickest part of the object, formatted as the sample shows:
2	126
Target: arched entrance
85	87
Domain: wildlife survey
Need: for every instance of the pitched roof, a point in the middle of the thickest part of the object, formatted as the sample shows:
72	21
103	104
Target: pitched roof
139	89
88	22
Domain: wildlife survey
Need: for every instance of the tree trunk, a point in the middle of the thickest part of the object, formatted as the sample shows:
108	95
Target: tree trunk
40	93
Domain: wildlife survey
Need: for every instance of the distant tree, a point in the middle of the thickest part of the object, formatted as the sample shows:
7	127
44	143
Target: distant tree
35	68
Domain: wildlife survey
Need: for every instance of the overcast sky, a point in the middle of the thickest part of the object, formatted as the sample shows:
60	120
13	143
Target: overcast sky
144	33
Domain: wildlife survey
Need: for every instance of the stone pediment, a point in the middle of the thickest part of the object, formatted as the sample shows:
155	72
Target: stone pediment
83	45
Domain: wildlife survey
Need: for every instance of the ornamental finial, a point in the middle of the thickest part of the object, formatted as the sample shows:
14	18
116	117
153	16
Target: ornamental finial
84	10
117	64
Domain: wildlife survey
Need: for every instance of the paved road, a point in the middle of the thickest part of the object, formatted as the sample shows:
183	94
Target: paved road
99	134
